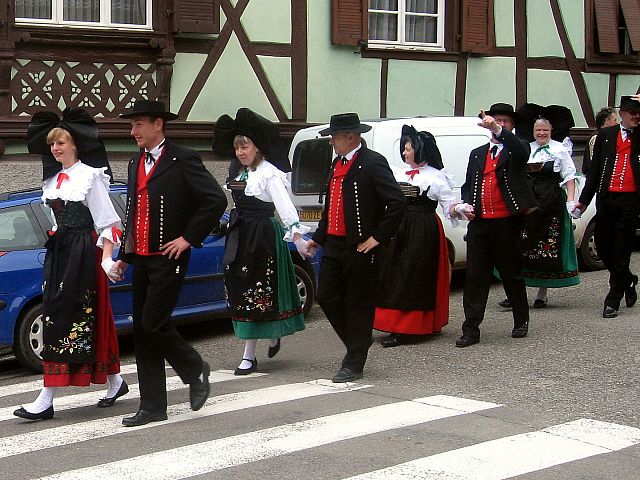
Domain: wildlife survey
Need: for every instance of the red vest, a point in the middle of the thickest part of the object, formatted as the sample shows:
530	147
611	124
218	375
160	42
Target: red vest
622	179
335	220
491	201
142	208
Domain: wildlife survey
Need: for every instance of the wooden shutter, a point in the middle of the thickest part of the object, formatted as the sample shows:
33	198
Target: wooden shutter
196	16
631	13
478	35
607	25
349	22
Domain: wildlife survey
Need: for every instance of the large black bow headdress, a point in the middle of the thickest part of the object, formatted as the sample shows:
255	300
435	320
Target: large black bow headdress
82	128
262	132
560	117
424	145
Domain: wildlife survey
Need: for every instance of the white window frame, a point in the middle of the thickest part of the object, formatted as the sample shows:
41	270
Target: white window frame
401	43
103	24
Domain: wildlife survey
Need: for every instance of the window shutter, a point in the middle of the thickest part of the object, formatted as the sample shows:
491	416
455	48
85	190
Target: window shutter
349	22
607	24
477	26
196	16
631	12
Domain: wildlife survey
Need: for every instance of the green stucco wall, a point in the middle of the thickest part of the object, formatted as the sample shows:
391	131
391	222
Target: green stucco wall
489	80
503	23
542	35
553	87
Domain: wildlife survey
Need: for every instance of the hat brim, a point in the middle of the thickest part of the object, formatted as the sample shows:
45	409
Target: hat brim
165	115
362	128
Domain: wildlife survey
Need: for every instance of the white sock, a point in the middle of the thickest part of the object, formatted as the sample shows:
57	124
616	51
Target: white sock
249	352
274	341
44	400
542	293
113	384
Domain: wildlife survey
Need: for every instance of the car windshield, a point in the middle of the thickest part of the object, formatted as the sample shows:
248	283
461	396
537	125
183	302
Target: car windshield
310	166
17	230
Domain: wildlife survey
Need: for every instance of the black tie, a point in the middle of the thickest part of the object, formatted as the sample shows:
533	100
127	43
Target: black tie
494	151
627	131
344	160
150	160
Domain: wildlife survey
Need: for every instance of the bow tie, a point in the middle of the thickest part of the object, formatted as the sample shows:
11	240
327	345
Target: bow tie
544	147
61	178
412	173
150	159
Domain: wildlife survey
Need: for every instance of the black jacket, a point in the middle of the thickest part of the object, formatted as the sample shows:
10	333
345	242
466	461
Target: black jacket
510	172
184	200
373	202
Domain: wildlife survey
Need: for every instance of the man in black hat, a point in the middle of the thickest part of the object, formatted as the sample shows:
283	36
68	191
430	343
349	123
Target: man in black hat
173	203
364	208
614	174
496	196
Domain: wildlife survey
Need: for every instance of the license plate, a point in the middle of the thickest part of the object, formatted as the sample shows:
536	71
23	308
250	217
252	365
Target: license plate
310	214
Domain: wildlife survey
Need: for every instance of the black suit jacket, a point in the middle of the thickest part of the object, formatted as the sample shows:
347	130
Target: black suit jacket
604	156
184	200
373	202
510	172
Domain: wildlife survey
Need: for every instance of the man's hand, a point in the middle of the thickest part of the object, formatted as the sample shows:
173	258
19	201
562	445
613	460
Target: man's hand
175	247
488	122
369	244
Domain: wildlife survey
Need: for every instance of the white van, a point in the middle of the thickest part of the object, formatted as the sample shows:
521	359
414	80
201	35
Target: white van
311	157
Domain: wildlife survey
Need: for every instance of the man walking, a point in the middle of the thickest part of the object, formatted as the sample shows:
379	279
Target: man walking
364	208
173	202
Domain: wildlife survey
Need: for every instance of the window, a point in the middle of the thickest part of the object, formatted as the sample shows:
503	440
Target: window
616	32
311	166
130	14
17	230
406	23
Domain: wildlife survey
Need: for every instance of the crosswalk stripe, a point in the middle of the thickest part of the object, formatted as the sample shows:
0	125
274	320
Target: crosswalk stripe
105	427
197	459
34	385
516	455
90	398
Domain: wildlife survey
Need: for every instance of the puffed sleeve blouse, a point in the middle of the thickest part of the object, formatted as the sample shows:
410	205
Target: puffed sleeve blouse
437	183
559	155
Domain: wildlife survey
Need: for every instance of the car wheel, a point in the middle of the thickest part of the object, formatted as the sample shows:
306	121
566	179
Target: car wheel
587	252
28	345
304	284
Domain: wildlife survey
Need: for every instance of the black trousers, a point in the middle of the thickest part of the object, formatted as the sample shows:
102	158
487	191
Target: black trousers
493	243
346	295
615	231
157	281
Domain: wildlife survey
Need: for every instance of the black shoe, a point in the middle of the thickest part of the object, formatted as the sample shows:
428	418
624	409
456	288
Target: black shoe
273	350
392	340
506	303
108	402
199	390
630	293
466	341
142	417
539	303
346	375
520	331
247	371
609	312
43	415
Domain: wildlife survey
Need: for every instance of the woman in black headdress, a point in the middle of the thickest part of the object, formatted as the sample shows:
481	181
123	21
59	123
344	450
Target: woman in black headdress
414	280
259	272
80	344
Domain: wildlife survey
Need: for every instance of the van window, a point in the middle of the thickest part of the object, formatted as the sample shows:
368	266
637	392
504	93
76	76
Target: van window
311	165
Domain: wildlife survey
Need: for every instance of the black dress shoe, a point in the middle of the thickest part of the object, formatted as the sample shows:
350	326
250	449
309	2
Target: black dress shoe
247	371
539	303
108	402
609	312
466	341
392	340
273	350
43	415
506	303
142	417
520	331
199	390
630	293
346	375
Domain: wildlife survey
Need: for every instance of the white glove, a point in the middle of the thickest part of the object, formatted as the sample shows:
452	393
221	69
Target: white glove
108	267
301	246
575	213
571	206
462	209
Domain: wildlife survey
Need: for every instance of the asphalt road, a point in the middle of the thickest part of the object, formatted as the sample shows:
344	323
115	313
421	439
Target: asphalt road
559	404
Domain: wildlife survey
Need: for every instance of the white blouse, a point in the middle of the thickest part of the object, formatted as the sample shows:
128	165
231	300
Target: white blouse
91	187
269	184
556	153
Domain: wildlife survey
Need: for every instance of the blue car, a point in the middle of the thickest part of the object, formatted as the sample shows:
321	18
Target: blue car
24	223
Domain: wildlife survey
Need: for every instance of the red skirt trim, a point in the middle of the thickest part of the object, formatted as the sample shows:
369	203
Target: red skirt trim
418	322
107	360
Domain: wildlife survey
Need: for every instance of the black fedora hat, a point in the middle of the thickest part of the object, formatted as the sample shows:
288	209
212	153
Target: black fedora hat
503	109
149	108
345	123
629	102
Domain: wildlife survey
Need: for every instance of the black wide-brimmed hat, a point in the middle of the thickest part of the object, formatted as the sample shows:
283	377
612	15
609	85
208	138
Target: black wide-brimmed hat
83	130
629	102
149	108
345	123
262	132
560	117
503	109
424	145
